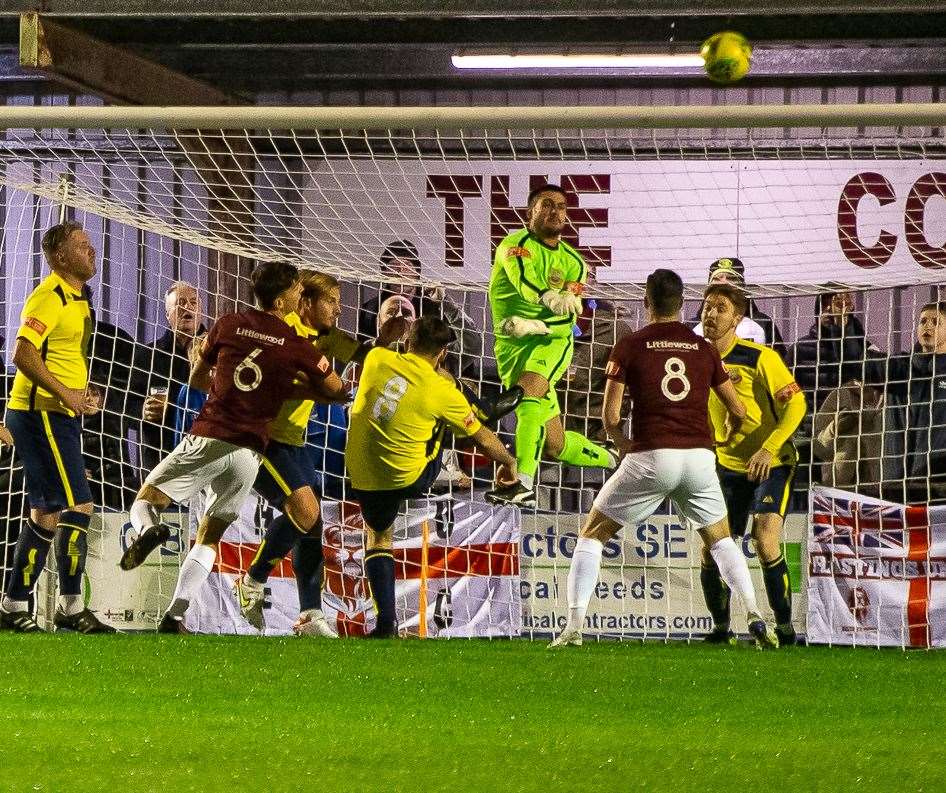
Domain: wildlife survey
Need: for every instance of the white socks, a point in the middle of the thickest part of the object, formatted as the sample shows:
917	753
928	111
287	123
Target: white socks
582	579
9	605
734	571
70	604
194	571
143	515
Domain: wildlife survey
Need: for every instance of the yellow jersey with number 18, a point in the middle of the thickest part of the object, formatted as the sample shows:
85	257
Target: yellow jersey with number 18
401	410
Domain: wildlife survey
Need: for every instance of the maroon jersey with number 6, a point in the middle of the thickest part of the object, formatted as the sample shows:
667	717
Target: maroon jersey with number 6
256	357
668	371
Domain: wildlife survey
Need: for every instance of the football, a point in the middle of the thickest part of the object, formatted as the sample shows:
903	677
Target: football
726	56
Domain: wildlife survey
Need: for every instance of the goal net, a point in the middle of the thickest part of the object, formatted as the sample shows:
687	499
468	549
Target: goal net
836	217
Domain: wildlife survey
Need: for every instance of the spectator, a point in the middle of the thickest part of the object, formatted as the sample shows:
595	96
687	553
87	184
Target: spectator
400	260
756	325
848	437
396	306
835	349
917	382
601	326
103	434
160	369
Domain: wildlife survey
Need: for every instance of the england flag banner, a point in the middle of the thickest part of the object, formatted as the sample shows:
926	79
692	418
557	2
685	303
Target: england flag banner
456	563
876	572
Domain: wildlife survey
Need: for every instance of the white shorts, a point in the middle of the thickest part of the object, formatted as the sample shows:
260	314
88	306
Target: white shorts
639	486
226	471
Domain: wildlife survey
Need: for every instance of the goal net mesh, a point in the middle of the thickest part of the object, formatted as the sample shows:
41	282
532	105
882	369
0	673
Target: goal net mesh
819	218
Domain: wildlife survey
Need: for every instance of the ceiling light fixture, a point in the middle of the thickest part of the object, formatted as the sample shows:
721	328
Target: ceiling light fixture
577	61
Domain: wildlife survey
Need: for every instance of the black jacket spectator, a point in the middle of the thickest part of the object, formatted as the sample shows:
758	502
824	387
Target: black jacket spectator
601	328
164	365
917	384
832	353
400	260
104	435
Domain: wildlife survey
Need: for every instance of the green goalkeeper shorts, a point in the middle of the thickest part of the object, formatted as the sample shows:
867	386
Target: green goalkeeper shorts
548	356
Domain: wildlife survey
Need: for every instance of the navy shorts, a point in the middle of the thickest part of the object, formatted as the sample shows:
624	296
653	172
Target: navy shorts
744	497
285	469
50	446
379	508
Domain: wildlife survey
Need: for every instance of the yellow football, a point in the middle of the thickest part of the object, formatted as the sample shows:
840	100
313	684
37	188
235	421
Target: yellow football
726	56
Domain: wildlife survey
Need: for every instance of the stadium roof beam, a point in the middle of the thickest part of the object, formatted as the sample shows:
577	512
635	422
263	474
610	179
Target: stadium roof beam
456	8
92	66
120	77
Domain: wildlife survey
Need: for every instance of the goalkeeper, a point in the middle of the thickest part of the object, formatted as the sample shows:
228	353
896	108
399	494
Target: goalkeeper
535	297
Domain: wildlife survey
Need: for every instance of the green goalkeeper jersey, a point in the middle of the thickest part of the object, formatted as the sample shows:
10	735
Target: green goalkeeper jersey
525	267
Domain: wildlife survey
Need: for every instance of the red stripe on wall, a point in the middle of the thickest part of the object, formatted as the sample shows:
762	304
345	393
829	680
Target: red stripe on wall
918	598
485	559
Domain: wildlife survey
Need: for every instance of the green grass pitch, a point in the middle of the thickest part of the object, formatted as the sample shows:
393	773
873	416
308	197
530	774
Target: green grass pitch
165	713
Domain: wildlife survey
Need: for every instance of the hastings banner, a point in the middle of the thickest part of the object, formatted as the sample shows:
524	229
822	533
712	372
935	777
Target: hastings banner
876	572
456	563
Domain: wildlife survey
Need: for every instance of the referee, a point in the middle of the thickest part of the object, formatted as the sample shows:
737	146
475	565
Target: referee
48	397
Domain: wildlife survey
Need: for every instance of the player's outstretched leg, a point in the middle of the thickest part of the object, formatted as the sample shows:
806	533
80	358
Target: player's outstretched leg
735	572
583	575
539	430
578	450
281	535
307	563
150	533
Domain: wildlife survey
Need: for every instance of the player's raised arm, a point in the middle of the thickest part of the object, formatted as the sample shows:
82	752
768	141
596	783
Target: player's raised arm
611	411
489	443
318	381
789	400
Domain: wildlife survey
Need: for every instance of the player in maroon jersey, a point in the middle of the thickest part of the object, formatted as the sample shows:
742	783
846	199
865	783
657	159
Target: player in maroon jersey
668	371
250	363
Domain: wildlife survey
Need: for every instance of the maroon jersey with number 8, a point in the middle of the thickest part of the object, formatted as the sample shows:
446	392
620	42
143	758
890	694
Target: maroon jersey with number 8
668	371
256	357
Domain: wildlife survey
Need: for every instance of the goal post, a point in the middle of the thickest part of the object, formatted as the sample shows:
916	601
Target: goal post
814	200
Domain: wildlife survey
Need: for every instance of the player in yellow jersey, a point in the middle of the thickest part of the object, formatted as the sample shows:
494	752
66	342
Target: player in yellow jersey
756	462
404	405
43	416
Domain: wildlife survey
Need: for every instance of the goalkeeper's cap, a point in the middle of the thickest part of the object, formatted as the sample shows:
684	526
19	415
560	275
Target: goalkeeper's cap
729	268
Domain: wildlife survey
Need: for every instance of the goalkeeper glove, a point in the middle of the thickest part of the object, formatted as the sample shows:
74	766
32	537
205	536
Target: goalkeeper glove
561	303
517	327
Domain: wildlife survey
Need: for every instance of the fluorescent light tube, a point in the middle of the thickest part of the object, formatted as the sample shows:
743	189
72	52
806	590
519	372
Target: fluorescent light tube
577	61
